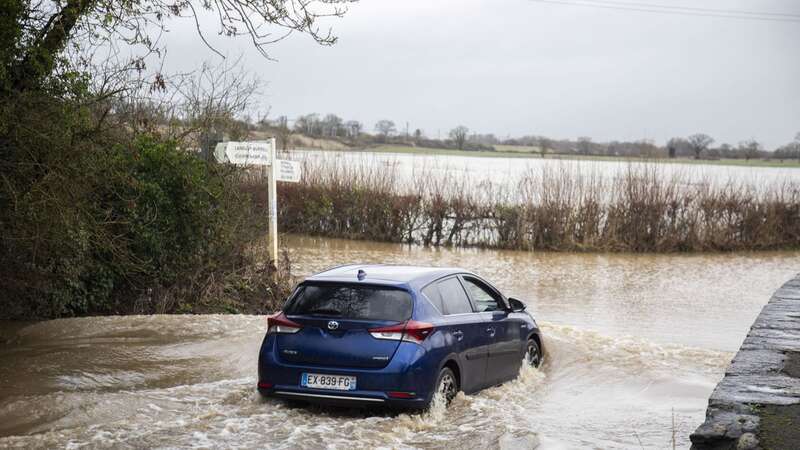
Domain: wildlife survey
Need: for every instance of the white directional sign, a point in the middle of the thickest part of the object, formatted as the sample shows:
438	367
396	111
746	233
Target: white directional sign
249	153
288	171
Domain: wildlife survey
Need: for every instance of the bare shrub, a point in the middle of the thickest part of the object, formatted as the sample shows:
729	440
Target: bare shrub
558	209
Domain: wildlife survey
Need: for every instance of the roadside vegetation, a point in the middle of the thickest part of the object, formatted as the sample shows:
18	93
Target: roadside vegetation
97	219
109	200
551	209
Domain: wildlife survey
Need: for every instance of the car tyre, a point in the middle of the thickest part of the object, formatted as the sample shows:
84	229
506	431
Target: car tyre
446	385
533	353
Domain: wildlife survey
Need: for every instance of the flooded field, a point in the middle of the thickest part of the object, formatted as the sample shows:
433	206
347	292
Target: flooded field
634	343
504	172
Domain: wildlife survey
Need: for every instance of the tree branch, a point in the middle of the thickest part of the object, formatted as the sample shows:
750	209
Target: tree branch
39	61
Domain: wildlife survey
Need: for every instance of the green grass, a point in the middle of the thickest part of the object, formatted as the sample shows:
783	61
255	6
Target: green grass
443	151
516	148
519	151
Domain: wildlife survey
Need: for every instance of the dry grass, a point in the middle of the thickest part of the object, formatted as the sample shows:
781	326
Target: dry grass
551	209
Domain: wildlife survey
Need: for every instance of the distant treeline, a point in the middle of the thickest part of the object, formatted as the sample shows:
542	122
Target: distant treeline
353	133
556	210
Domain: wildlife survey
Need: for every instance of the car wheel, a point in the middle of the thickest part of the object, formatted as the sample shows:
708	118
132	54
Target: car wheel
533	354
446	385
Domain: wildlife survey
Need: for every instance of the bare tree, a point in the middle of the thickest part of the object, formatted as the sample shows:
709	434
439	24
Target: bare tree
750	148
282	131
488	139
39	31
646	148
308	124
795	146
698	143
332	125
353	128
674	145
584	145
212	99
459	136
385	128
198	108
544	144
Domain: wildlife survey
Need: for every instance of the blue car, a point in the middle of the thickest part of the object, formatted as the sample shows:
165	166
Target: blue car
360	335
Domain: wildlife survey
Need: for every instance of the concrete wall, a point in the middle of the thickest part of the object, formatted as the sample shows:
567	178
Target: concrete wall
757	403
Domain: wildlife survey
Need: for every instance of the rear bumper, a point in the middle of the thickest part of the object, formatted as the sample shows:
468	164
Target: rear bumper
411	369
343	398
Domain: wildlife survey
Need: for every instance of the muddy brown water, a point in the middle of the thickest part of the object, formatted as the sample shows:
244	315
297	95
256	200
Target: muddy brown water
634	343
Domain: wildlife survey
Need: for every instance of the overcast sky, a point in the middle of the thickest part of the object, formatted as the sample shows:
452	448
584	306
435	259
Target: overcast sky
515	67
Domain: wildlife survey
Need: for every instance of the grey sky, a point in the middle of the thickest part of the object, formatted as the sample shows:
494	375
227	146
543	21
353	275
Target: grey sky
514	67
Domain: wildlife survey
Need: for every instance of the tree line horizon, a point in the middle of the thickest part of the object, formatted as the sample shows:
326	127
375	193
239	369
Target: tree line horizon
386	131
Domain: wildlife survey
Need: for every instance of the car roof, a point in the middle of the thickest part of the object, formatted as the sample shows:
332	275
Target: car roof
415	277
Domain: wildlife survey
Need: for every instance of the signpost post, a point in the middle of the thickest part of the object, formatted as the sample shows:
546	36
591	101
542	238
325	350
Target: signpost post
273	203
262	153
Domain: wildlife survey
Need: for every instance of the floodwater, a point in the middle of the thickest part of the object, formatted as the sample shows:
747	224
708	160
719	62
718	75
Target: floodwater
635	344
504	172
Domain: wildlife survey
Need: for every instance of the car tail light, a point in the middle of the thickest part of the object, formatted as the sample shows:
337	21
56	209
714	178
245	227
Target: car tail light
393	333
411	331
264	385
394	394
278	323
417	331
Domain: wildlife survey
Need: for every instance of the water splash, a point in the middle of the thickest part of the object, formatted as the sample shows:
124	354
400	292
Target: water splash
188	381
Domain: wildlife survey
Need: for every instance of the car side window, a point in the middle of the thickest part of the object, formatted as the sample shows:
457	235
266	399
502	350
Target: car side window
485	299
454	298
432	292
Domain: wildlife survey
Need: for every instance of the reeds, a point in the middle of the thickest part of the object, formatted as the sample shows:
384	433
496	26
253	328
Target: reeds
557	209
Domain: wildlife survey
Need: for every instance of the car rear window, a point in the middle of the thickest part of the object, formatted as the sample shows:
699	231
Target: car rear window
351	302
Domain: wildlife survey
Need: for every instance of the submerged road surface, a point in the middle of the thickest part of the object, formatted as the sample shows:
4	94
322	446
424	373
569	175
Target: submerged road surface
634	344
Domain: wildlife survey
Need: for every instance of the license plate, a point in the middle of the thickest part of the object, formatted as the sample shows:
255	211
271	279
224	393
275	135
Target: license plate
335	382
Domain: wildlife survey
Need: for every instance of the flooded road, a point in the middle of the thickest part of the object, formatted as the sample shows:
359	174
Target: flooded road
634	343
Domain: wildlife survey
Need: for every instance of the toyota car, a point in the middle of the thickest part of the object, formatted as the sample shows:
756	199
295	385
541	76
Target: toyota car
394	335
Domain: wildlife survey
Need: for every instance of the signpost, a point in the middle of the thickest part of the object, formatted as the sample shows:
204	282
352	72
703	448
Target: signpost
250	153
288	171
262	153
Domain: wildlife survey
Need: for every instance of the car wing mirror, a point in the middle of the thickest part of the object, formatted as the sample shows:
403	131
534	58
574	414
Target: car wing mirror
516	305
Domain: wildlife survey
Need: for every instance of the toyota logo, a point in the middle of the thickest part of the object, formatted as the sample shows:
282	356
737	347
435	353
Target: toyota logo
333	325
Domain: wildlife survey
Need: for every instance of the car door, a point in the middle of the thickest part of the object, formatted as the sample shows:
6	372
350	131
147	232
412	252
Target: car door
505	349
465	329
